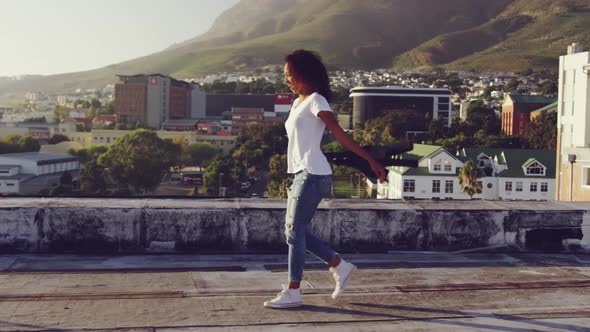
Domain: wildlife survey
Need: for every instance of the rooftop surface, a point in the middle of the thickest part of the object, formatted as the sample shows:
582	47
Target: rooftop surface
399	291
38	156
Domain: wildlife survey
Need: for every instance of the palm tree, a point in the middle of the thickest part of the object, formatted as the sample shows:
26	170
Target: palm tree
468	179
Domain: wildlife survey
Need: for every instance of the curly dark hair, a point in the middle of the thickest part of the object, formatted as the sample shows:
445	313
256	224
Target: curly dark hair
308	67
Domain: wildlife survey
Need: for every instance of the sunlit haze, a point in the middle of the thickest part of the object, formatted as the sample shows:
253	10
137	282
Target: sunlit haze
59	36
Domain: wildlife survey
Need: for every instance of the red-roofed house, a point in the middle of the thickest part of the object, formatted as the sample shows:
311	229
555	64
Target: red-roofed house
104	120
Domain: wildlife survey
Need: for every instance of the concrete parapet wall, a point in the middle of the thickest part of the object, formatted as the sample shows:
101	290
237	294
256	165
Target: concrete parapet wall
58	225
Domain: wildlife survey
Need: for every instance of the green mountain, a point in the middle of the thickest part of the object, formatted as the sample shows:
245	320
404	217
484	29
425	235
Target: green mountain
458	34
527	34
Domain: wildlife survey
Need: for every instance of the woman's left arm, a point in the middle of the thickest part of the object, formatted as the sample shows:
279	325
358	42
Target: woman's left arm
343	138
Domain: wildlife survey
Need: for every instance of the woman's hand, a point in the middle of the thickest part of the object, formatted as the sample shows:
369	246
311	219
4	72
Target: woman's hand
378	169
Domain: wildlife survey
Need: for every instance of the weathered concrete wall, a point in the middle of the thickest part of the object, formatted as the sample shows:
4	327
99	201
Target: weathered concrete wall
30	225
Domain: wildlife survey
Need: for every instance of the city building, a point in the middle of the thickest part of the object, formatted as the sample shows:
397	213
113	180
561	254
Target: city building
224	143
155	99
516	112
373	102
573	126
32	172
508	174
39	130
220	105
180	125
241	117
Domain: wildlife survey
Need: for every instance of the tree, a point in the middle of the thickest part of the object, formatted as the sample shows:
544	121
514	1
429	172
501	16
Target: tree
542	131
93	178
182	149
13	143
257	143
40	119
139	160
278	181
29	144
91	113
58	138
332	147
468	179
200	154
550	88
437	129
512	86
480	117
107	109
219	169
60	113
95	103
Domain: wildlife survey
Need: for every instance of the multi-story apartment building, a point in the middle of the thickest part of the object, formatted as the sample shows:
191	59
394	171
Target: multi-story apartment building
509	174
573	126
372	102
154	99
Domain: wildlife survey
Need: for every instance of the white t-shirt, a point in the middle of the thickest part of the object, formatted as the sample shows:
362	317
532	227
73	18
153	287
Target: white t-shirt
305	130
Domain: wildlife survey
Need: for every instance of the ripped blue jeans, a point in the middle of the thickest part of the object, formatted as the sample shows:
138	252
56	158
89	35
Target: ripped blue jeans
304	196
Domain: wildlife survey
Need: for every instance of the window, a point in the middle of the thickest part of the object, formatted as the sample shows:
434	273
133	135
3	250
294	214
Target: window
10	184
535	169
437	167
518	186
533	187
435	186
544	187
586	176
409	186
508	186
449	186
448	167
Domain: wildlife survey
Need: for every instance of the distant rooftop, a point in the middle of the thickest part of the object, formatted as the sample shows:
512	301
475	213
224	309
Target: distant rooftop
397	90
37	156
531	99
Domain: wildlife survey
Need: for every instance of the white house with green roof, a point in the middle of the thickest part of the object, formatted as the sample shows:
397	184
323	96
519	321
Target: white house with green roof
514	174
434	178
511	174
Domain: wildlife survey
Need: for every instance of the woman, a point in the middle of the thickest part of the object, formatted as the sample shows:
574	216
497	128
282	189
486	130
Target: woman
306	75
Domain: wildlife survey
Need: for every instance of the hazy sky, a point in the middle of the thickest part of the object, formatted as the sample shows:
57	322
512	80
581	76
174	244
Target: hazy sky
59	36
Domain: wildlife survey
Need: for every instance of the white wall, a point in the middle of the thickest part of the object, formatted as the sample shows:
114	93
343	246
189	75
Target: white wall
526	194
198	103
9	186
574	100
158	101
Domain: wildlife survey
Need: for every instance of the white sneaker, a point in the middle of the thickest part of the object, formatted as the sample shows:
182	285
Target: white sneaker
287	298
342	274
